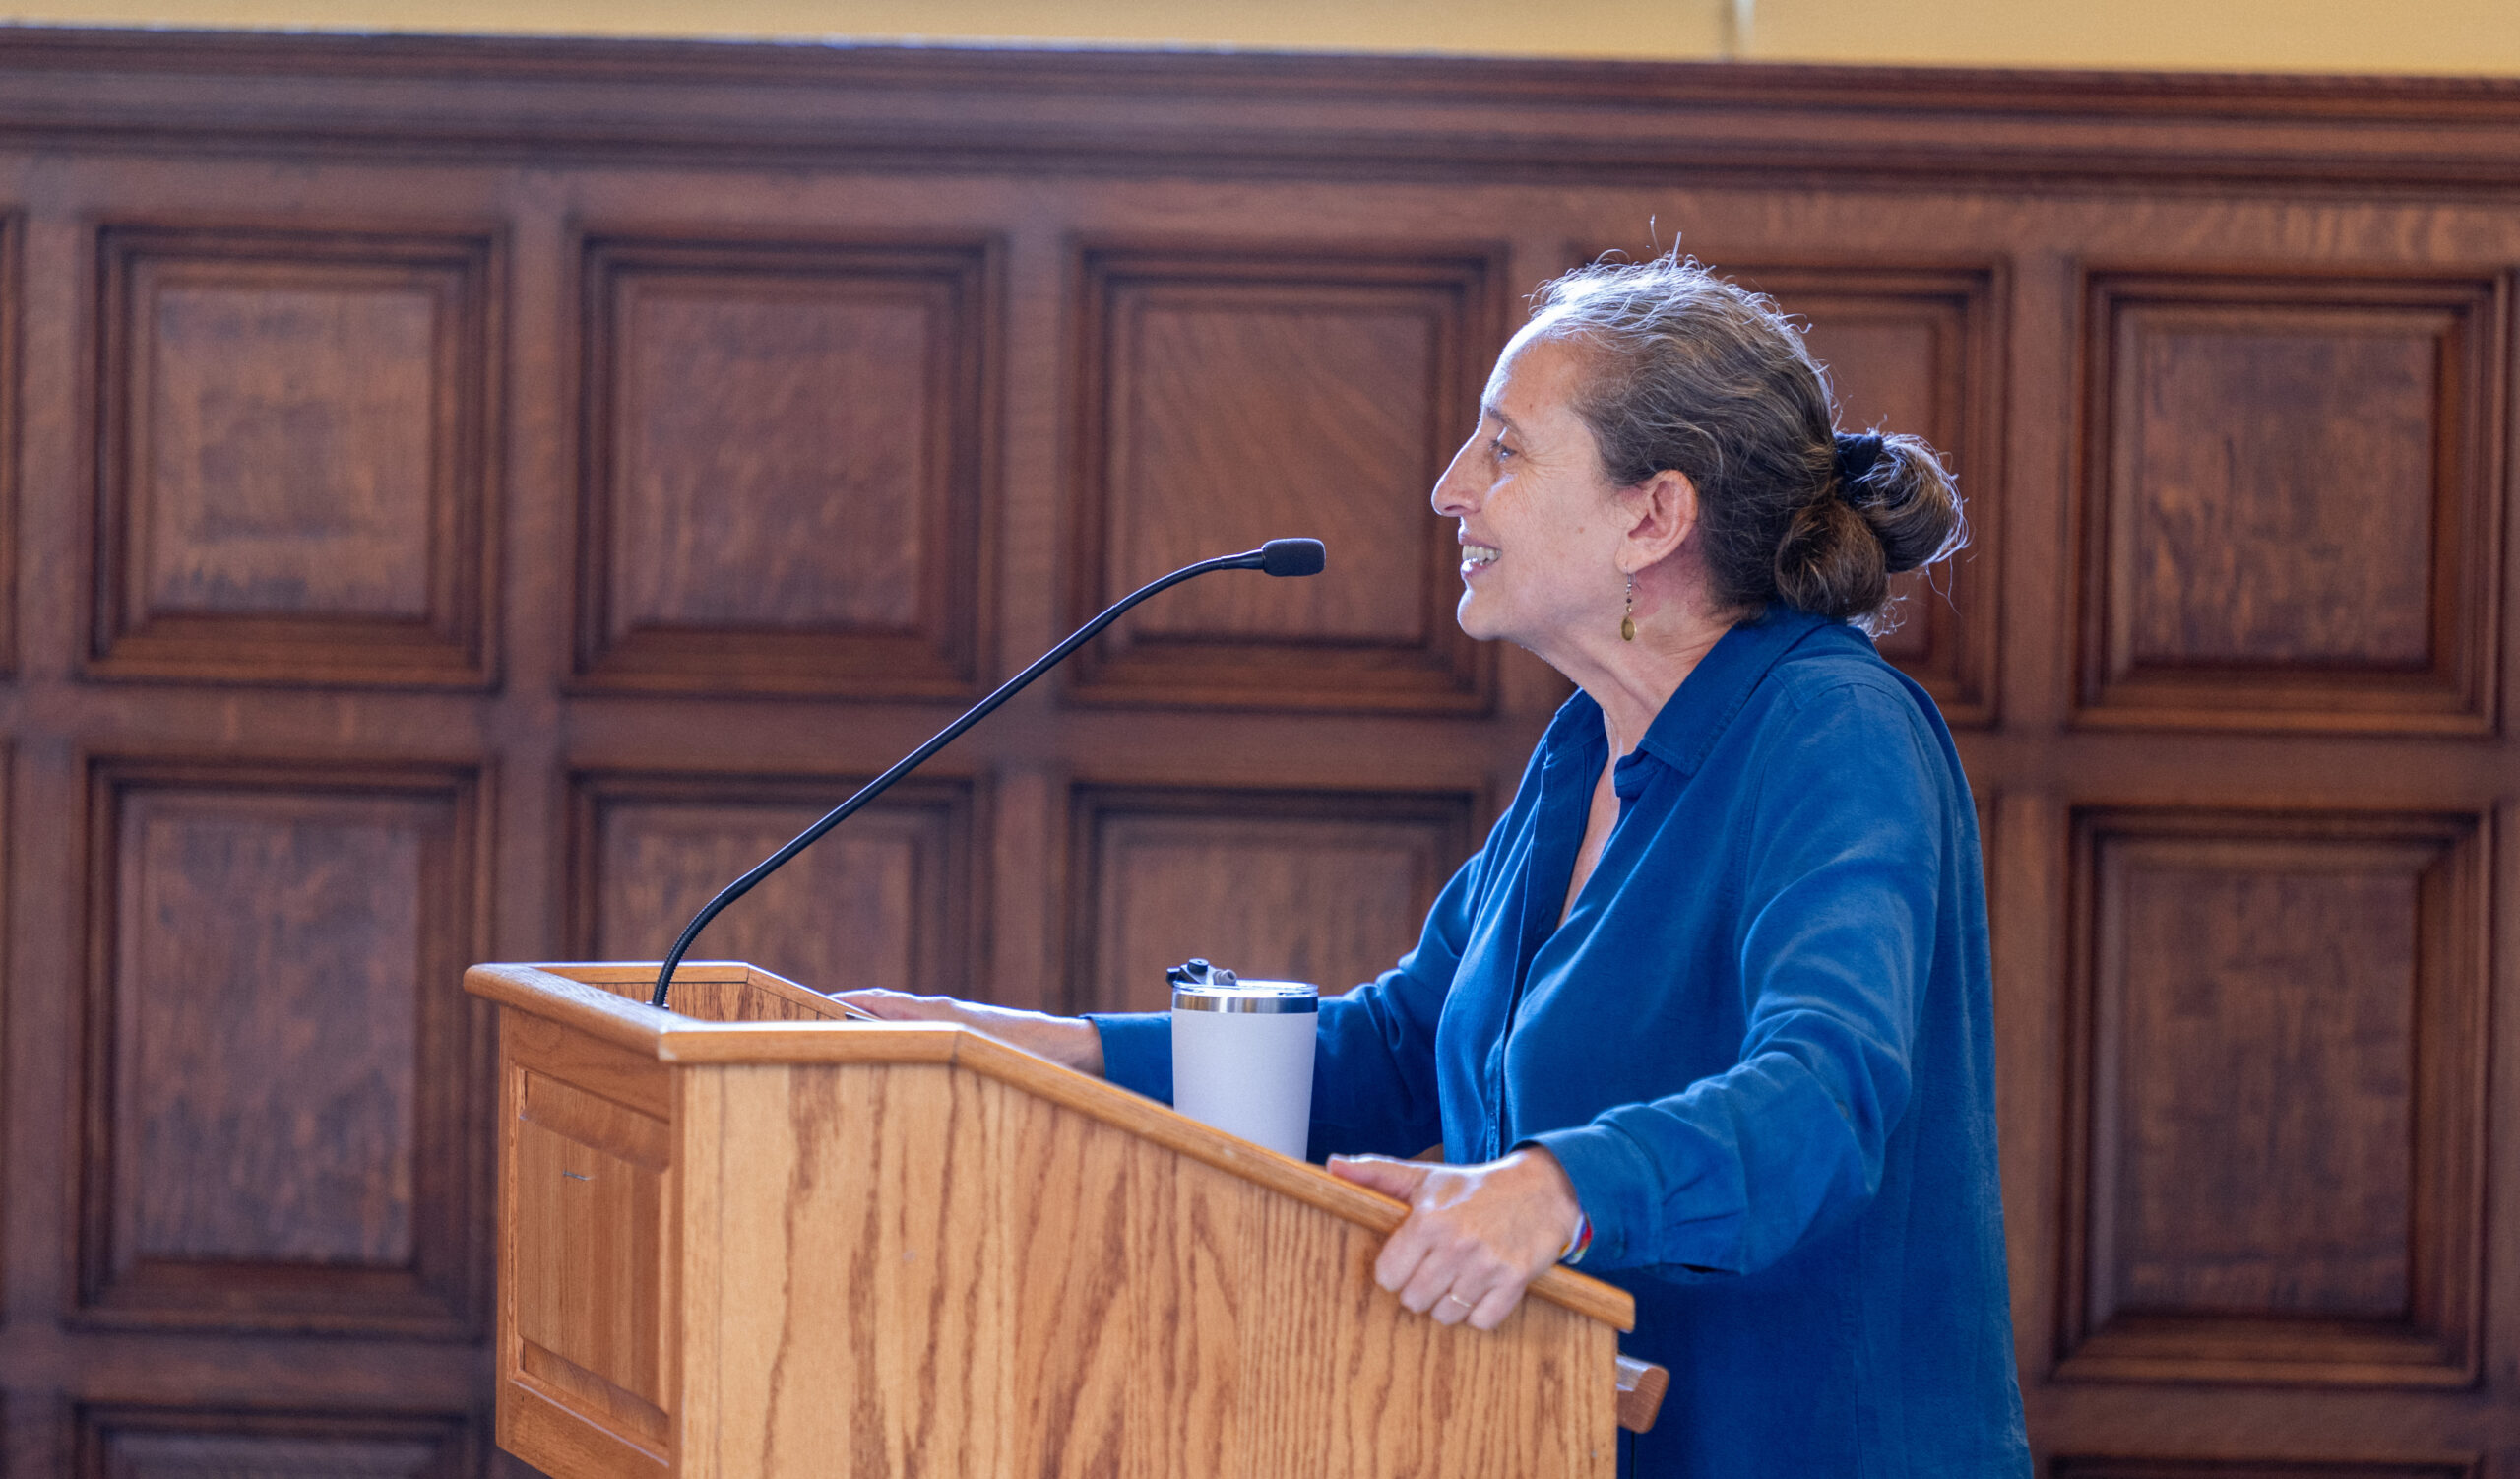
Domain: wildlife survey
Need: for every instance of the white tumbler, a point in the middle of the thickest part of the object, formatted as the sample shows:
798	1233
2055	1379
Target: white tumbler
1242	1059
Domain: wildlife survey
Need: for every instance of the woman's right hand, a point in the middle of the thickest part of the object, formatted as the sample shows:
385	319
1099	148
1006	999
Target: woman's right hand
1071	1041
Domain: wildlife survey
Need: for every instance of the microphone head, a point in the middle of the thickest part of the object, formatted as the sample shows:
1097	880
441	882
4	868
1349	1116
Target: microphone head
1292	557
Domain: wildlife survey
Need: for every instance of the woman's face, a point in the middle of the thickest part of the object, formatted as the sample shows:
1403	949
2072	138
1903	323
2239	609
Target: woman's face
1540	525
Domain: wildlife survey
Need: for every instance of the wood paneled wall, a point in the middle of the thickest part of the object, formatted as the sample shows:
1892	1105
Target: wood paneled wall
465	499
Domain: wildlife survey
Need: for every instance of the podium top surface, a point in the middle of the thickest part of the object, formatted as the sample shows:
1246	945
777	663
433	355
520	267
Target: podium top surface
736	1013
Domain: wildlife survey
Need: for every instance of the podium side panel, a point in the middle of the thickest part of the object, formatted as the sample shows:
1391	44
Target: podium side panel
585	1360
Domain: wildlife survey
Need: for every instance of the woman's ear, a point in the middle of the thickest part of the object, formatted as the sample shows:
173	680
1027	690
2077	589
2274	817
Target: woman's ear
1661	514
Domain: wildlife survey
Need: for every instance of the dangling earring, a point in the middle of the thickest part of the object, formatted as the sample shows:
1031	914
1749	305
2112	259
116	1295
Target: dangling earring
1627	620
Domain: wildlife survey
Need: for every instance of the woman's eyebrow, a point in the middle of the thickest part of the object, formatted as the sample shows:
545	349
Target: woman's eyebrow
1491	409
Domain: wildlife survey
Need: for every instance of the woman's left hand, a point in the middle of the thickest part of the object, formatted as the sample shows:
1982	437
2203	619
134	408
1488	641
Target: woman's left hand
1476	1237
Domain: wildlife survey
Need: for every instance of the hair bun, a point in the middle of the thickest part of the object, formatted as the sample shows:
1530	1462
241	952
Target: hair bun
1911	505
1890	508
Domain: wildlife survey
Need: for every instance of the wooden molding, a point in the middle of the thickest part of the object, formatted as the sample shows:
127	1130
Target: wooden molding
1641	123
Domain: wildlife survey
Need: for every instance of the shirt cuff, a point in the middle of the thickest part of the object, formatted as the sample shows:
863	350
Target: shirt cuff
1137	1051
1601	1162
1580	1240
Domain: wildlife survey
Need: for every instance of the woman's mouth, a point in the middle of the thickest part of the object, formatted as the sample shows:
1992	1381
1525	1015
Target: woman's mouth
1475	557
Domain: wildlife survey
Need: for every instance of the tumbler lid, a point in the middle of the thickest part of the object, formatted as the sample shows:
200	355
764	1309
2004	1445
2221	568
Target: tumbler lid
1265	996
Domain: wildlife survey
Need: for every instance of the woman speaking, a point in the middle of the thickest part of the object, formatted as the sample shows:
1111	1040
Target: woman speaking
1709	1013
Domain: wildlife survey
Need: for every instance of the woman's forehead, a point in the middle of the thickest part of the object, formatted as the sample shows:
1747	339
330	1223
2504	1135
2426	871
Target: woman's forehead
1534	375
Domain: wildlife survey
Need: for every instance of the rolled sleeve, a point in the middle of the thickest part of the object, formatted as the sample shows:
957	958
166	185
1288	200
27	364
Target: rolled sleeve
1137	1051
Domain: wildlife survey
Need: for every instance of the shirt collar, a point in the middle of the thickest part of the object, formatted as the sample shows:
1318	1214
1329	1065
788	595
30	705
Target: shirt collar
1576	728
1695	717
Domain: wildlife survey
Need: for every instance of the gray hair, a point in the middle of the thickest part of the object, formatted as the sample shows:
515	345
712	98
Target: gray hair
1697	374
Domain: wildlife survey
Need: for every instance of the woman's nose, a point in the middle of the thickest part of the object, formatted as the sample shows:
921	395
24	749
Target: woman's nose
1456	491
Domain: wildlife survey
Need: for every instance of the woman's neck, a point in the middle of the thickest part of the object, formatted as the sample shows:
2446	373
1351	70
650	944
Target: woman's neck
1631	680
1634	690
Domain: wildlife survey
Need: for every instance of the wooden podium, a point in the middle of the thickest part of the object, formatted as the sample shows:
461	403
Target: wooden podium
748	1237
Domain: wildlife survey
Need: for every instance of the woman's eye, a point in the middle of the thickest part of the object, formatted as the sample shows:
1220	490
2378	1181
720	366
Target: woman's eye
1501	450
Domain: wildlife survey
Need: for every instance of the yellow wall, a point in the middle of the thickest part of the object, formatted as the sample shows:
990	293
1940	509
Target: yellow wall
2456	37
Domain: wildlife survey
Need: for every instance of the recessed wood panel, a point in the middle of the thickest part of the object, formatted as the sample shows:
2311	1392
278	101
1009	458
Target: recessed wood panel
783	453
2277	1092
2292	496
587	1174
279	1070
1328	889
886	898
164	1443
1226	398
295	460
1915	350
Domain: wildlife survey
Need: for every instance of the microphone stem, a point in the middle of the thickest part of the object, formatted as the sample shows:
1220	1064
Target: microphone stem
911	761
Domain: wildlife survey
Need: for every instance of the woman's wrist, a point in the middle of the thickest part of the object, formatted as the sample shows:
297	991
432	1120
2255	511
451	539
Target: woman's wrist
1571	1211
1083	1048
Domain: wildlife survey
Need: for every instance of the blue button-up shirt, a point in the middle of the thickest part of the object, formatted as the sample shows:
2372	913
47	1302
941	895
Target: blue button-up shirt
1760	1043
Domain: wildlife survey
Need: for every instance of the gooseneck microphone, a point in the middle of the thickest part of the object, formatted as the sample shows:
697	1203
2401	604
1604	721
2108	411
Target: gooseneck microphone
1276	557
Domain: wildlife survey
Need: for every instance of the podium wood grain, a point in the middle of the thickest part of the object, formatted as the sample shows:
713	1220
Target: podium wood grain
739	1239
